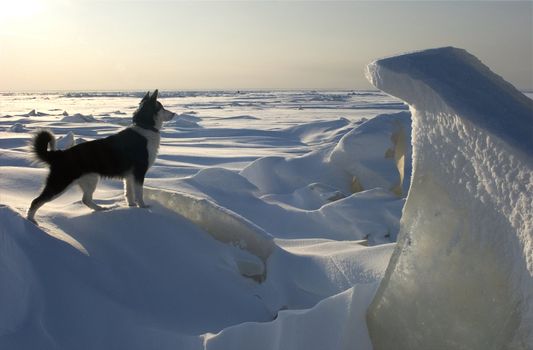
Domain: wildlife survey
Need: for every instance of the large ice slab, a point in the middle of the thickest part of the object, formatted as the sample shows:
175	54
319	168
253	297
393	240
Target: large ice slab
461	276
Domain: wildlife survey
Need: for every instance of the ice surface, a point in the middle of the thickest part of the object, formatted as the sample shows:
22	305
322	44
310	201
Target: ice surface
461	276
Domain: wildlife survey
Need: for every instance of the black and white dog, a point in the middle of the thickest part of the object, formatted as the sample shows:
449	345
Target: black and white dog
126	155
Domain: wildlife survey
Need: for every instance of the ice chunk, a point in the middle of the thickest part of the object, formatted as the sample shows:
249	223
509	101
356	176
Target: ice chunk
66	141
78	118
34	113
461	276
221	223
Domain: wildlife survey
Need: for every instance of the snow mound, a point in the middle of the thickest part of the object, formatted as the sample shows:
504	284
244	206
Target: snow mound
335	323
461	276
184	120
375	153
18	128
78	118
310	197
319	131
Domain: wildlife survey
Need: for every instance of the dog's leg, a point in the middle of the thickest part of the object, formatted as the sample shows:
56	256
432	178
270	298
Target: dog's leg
138	181
139	195
54	187
88	184
129	190
36	204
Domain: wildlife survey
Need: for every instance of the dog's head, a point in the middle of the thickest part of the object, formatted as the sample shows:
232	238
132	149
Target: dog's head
151	113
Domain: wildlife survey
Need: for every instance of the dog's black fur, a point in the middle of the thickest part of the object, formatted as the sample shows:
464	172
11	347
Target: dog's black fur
112	157
125	154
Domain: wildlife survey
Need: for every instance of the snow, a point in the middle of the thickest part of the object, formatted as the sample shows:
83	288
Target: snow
461	276
78	118
334	323
374	153
341	162
18	127
274	215
218	253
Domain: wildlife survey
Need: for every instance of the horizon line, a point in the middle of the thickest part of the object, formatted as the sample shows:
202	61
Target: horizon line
184	90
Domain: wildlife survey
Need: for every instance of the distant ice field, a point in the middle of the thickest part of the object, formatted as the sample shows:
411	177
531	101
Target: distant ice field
215	108
233	127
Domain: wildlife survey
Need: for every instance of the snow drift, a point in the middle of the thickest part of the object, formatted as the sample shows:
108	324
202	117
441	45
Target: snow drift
337	322
368	156
461	275
133	287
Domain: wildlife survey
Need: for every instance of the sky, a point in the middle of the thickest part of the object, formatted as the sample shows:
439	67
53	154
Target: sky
184	45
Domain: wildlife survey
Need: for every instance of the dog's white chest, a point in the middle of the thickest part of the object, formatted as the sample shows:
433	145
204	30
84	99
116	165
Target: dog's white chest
152	143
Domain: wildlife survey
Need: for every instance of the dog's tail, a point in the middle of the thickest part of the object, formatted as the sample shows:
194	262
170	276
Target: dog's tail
40	143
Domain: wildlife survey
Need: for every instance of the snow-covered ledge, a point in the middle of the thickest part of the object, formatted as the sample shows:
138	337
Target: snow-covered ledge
461	276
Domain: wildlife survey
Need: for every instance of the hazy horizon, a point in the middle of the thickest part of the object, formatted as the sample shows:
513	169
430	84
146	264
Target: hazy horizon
61	45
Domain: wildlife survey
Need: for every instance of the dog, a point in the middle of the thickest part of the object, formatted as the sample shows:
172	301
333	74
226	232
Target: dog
126	155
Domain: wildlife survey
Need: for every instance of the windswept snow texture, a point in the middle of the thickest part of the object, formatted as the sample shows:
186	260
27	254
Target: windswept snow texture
461	276
273	216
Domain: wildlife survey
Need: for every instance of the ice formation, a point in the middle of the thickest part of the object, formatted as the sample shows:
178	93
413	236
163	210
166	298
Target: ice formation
461	276
66	141
221	223
374	153
78	118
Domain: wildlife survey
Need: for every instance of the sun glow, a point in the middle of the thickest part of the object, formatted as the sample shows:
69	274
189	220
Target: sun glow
19	9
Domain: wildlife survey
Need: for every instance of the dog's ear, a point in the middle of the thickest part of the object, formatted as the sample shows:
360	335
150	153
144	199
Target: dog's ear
146	97
154	95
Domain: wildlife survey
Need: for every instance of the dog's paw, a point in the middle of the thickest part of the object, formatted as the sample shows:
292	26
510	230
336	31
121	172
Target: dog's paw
109	207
